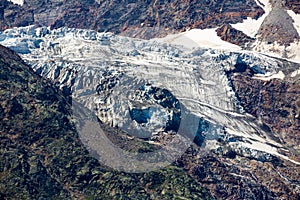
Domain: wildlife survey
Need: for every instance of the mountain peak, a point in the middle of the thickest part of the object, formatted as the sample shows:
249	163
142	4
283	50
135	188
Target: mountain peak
278	27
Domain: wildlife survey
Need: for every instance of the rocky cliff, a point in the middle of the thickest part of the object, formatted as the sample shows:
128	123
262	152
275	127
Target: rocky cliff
278	26
275	102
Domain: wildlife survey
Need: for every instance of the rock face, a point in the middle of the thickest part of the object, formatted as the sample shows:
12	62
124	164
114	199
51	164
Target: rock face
24	97
278	27
140	18
229	34
275	102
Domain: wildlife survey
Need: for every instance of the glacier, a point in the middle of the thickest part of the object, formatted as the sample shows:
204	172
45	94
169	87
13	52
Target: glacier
115	76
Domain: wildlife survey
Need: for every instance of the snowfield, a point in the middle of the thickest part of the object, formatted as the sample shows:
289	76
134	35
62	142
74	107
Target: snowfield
195	38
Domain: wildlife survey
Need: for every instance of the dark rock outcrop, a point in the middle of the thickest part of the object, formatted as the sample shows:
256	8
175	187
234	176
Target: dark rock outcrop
278	27
230	34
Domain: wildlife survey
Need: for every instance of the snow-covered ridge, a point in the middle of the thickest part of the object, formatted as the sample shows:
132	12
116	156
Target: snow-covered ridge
106	72
291	52
251	26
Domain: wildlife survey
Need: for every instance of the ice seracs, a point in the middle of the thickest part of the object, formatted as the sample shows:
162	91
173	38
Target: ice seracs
107	74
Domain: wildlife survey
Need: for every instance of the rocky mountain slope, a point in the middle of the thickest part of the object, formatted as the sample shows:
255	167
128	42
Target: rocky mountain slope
230	34
278	26
145	19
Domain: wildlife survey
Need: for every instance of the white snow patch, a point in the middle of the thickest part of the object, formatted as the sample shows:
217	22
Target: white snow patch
268	149
251	26
265	4
291	52
295	73
251	137
267	77
19	2
194	38
296	18
260	144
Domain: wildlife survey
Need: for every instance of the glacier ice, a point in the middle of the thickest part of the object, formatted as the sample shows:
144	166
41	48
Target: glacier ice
104	72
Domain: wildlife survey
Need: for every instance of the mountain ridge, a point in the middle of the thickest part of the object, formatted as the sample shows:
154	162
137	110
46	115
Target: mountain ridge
165	17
